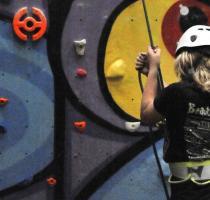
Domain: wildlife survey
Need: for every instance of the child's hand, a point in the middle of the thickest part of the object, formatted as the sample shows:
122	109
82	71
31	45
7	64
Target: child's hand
153	57
142	63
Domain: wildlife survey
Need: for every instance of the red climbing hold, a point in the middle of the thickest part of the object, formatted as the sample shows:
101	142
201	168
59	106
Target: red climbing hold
81	125
81	72
3	101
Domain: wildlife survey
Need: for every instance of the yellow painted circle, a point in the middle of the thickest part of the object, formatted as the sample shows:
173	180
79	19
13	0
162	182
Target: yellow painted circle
127	38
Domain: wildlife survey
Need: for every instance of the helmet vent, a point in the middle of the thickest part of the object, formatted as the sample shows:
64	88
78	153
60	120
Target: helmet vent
208	29
193	38
200	29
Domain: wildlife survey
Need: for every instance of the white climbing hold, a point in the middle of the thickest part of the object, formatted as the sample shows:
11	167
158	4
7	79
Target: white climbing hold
132	126
184	10
80	46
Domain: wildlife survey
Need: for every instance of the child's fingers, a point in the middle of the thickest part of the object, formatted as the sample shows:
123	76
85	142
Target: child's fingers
139	67
142	62
143	58
142	55
140	58
139	63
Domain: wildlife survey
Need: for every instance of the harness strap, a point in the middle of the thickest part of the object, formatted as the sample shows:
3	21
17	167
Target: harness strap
180	181
200	175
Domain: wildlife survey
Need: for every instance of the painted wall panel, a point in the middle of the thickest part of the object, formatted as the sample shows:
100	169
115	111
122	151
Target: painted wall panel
26	79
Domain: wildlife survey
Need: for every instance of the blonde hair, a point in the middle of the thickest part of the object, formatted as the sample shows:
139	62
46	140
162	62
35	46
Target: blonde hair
195	66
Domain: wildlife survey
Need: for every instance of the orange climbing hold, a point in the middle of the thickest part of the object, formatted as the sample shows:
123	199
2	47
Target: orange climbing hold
81	125
51	181
29	27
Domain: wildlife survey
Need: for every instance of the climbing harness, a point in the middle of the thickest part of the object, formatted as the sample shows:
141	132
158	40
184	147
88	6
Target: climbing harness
160	84
200	174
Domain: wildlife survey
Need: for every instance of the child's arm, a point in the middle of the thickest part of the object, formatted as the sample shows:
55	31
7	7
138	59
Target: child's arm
148	113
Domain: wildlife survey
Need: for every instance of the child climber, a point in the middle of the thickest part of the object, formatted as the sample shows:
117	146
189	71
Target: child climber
186	107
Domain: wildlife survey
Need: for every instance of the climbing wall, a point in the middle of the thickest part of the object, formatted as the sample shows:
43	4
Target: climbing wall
99	44
26	95
70	124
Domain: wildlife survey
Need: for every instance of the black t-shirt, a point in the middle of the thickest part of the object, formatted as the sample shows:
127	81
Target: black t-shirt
187	112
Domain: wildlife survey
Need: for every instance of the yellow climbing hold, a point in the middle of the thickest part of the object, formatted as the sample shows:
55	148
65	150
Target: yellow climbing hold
116	70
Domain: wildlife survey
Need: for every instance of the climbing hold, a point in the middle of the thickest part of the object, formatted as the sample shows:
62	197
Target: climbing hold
184	10
81	72
80	125
3	101
80	46
51	181
29	27
116	70
132	126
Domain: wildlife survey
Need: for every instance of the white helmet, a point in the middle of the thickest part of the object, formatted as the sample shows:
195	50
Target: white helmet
195	36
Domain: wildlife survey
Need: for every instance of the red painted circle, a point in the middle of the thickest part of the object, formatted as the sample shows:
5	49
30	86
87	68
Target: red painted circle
171	31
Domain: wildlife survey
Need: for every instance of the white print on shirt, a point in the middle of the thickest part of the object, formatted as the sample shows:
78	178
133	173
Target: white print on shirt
203	111
197	132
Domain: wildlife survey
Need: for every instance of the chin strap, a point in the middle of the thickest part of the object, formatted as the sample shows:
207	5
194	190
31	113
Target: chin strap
161	86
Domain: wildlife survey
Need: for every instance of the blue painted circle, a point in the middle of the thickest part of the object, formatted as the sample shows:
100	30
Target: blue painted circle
14	117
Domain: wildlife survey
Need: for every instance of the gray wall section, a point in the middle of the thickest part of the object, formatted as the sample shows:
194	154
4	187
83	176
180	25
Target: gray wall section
86	19
89	152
